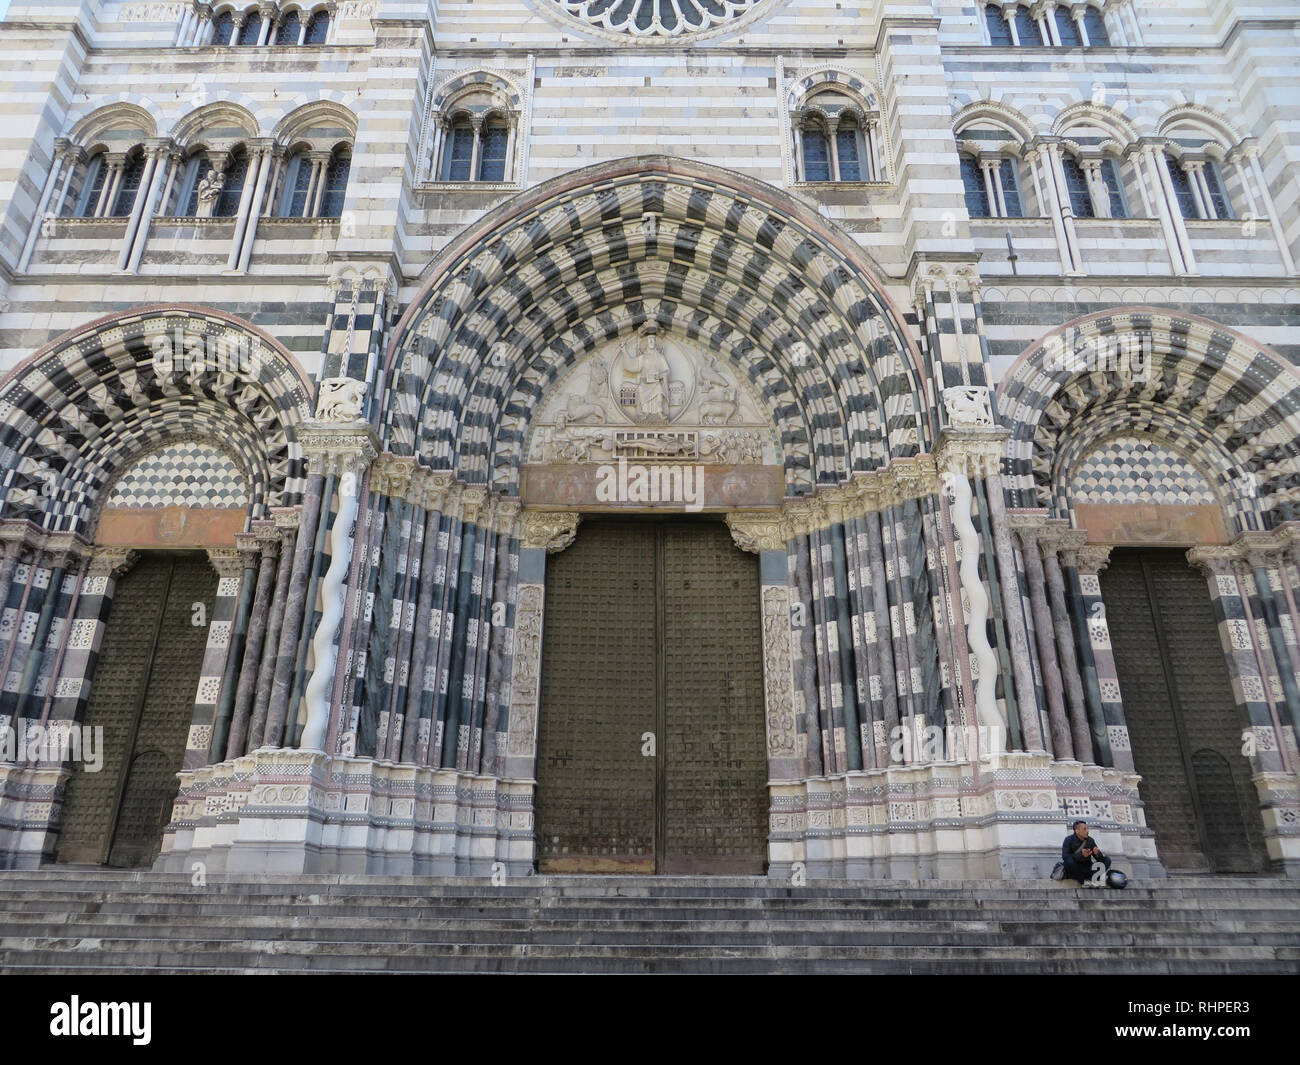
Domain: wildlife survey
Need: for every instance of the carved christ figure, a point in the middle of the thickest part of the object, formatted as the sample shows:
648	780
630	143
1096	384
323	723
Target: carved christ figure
648	366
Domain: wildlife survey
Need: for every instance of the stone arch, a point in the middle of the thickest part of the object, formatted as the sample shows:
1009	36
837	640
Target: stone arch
122	116
233	122
1204	120
1227	403
999	115
299	123
84	407
500	87
700	251
854	85
1118	126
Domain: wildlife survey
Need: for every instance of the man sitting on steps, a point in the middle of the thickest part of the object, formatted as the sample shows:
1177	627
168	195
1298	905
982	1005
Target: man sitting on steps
1079	852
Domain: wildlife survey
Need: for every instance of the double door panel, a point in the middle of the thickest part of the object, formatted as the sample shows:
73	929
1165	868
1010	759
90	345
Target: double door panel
651	754
1184	724
142	696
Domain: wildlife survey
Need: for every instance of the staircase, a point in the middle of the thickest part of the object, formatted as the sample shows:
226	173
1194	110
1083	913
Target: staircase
95	920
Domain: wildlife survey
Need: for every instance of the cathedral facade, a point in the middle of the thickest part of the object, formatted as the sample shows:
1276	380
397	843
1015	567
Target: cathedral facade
683	436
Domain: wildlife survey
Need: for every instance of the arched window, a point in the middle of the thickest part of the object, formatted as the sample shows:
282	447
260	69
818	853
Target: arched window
1096	27
318	27
236	173
1010	188
187	195
251	31
1066	28
458	156
290	29
223	28
816	153
1182	188
1027	29
999	31
129	185
297	187
1218	199
492	152
977	196
336	184
1114	188
848	149
92	187
1076	184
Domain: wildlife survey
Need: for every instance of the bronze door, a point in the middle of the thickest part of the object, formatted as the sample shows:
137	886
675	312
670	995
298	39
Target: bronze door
1184	724
142	696
651	754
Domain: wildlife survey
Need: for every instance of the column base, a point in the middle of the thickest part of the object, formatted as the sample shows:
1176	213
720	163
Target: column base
31	800
1003	818
292	811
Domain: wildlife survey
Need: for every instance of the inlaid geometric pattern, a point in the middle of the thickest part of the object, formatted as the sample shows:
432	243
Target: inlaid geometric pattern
513	304
1129	469
182	475
77	412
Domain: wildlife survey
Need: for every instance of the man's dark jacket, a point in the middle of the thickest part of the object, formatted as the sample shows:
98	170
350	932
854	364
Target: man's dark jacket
1071	847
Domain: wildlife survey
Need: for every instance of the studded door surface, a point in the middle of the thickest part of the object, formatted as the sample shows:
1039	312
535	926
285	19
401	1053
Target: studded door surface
142	695
1184	724
596	790
714	766
651	636
165	721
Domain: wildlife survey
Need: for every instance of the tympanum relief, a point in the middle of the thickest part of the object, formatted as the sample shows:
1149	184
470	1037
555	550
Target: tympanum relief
652	397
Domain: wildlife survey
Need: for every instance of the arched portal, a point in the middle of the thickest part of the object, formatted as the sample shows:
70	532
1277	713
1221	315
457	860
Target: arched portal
788	304
1146	433
589	349
136	450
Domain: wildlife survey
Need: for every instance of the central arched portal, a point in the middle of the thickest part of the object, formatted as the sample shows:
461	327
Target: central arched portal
651	754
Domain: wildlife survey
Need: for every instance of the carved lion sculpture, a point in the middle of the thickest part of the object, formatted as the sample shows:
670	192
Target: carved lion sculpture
340	400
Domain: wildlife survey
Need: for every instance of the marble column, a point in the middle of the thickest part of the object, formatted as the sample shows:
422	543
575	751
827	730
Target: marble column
1027	528
264	538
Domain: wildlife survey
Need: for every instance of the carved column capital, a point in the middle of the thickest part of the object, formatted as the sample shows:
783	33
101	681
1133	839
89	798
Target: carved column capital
111	562
227	561
1214	561
338	448
971	451
503	516
1093	558
553	530
757	530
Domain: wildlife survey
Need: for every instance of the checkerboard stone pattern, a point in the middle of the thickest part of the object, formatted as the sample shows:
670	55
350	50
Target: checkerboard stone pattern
1129	469
187	474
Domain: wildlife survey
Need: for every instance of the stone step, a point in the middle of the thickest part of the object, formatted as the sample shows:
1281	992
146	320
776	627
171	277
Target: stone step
1152	924
95	920
268	956
679	937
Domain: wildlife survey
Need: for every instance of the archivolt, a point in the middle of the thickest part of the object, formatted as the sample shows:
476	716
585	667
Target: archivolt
1227	403
83	407
537	283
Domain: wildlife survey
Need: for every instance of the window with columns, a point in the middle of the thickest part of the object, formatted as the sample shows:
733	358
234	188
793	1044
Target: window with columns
315	184
835	140
1198	186
260	25
992	187
1076	185
476	142
92	187
1050	25
129	185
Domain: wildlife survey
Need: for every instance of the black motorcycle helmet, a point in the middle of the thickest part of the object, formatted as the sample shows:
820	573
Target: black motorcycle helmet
1116	879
